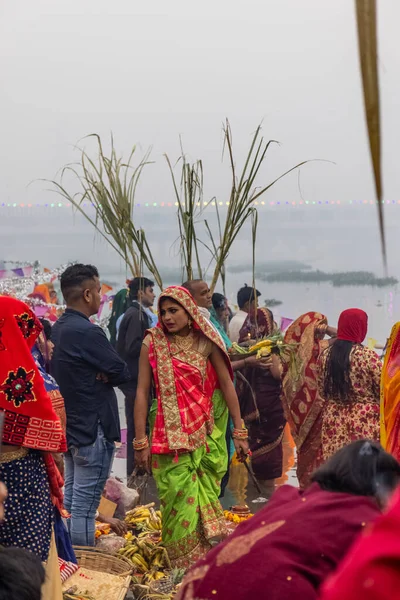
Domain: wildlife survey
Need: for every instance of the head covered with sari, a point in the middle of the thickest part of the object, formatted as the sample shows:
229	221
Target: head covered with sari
29	419
390	395
184	382
257	325
352	325
300	398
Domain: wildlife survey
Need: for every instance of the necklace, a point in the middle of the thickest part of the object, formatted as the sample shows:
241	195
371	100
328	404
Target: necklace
184	342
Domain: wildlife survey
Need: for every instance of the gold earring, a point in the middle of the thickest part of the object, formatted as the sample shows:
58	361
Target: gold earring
190	323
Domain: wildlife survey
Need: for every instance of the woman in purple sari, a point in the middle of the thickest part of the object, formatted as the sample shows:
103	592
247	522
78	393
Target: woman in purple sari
260	401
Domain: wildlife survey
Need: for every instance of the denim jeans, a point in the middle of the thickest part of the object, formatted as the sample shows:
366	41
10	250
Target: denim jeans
87	469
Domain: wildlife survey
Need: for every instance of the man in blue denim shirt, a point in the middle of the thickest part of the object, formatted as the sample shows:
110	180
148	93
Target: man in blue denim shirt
86	368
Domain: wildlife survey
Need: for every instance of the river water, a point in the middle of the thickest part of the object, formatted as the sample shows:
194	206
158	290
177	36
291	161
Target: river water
328	238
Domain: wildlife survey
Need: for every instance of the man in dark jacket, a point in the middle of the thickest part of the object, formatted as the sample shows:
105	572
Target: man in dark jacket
137	319
86	367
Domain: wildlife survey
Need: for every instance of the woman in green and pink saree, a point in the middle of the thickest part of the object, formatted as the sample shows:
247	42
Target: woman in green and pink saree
185	360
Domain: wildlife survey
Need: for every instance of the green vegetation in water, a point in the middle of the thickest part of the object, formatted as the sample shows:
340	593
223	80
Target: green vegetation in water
270	303
273	266
336	279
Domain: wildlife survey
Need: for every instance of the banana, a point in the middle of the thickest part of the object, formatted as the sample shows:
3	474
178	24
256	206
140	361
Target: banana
265	351
132	551
124	550
159	575
260	344
140	562
153	516
138	519
158	558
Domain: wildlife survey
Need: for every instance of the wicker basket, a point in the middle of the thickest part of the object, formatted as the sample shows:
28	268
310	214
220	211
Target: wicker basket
92	559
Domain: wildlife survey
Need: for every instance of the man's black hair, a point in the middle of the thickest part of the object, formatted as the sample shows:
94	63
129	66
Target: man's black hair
139	284
361	468
73	278
246	294
218	300
21	575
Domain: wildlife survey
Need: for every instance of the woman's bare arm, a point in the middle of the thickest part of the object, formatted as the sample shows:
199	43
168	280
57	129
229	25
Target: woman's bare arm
276	367
142	457
142	393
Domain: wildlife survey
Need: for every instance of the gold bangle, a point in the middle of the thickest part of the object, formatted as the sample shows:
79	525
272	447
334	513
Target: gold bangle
240	434
142	444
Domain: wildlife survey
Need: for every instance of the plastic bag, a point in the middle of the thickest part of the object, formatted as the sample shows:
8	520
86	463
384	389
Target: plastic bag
110	543
138	482
125	498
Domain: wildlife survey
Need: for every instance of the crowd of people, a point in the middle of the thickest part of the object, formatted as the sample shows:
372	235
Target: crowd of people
190	406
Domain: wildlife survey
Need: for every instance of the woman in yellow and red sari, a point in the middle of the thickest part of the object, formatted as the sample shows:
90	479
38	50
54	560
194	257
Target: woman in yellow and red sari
300	398
186	360
390	395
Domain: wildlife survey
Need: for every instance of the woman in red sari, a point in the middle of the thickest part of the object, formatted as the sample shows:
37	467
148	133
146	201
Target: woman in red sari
32	433
185	359
371	569
288	549
300	398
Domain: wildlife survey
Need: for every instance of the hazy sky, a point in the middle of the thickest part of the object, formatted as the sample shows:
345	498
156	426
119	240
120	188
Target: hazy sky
148	71
151	71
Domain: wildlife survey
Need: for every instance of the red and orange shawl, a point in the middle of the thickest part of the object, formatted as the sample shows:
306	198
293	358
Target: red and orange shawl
390	395
184	409
300	398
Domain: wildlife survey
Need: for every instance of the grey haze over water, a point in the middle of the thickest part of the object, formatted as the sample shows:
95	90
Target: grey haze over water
151	72
328	238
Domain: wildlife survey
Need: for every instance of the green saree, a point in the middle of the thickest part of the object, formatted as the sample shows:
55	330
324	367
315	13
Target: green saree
189	488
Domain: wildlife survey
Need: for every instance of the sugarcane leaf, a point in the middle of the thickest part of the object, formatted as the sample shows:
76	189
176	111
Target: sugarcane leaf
367	44
110	185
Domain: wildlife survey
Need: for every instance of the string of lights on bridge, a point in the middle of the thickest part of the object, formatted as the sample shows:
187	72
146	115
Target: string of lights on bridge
222	204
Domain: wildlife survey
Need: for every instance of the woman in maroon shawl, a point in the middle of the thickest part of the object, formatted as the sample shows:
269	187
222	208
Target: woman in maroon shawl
371	569
260	402
291	546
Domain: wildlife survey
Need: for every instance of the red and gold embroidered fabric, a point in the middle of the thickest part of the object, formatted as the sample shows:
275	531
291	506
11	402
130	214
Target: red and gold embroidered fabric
30	420
184	380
